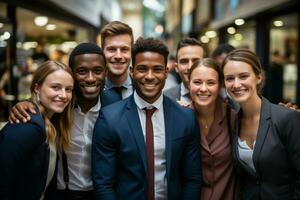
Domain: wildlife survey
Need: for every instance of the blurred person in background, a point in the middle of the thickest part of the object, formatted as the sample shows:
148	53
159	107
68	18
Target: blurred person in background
188	51
214	116
266	140
173	78
28	150
219	54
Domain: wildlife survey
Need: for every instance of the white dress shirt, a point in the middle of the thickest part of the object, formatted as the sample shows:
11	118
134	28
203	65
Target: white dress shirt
79	153
184	94
160	179
246	153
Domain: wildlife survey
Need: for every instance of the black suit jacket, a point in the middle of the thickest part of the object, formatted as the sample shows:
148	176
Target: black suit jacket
276	156
119	161
24	159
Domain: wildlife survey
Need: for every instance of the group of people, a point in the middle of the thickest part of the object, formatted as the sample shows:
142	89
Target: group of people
122	137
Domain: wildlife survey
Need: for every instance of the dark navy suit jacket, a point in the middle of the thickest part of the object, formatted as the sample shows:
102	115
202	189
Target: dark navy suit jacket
24	158
276	156
119	168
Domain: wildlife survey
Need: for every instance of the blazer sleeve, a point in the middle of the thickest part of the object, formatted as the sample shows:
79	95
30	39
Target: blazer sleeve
17	143
290	134
192	170
104	160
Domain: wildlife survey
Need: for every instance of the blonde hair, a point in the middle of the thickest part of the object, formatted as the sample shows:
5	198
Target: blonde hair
58	128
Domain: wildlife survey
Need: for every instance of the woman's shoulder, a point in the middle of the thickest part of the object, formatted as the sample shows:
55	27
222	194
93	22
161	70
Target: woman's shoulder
23	131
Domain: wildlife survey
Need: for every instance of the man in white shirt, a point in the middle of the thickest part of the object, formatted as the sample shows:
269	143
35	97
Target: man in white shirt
138	156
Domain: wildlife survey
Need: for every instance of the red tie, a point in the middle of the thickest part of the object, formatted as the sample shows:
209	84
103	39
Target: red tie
150	153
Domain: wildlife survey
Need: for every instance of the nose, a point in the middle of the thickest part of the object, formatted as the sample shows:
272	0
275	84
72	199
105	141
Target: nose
190	64
118	53
236	83
63	93
149	74
90	77
203	87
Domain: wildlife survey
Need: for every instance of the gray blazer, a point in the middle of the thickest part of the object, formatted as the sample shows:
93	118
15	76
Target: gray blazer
276	155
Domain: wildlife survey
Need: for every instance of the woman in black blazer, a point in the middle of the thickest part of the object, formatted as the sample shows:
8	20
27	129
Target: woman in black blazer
267	139
28	150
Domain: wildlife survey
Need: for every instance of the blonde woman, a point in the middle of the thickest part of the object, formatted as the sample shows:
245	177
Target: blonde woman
28	150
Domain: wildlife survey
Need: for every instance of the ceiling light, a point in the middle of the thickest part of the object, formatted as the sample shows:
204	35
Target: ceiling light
204	39
231	30
238	37
50	27
159	29
239	22
278	23
211	34
6	35
41	20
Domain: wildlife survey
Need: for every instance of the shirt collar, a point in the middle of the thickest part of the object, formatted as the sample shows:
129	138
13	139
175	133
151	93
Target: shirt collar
141	103
183	90
127	84
94	109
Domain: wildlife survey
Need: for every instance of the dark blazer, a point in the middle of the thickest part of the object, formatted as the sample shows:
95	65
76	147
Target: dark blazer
174	92
119	168
24	158
276	156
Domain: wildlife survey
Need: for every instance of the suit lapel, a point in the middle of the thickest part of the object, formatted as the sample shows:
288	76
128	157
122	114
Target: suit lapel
169	126
264	125
136	129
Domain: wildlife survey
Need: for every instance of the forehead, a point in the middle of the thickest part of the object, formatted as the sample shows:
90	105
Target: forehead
233	67
204	72
118	40
190	51
149	58
88	59
59	76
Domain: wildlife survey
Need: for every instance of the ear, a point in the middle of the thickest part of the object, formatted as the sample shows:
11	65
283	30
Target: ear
176	66
259	78
36	89
131	70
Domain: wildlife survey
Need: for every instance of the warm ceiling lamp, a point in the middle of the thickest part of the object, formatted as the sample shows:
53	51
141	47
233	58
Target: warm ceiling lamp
41	20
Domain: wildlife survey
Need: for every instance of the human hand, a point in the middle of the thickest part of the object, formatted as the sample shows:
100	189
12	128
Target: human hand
19	113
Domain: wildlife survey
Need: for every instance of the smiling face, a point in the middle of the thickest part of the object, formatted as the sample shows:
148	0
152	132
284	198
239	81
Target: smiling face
89	75
204	86
149	74
186	56
117	50
55	92
241	81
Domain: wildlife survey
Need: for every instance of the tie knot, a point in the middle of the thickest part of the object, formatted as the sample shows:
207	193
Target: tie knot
118	89
149	112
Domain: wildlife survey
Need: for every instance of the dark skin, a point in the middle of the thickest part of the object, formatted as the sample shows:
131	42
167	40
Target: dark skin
89	76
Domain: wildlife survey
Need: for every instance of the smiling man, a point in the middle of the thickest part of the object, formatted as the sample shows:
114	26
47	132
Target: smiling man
188	51
116	41
153	152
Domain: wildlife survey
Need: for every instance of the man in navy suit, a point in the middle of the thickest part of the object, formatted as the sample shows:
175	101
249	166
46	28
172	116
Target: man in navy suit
122	167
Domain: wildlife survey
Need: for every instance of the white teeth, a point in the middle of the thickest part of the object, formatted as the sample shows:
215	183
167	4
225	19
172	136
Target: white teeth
90	88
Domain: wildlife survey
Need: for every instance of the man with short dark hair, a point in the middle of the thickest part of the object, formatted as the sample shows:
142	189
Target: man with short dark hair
147	146
188	51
